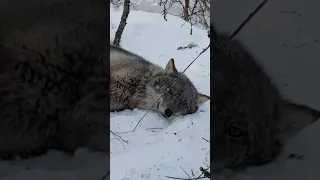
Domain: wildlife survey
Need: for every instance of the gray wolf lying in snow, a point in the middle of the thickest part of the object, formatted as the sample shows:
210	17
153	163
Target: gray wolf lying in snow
138	83
54	79
250	120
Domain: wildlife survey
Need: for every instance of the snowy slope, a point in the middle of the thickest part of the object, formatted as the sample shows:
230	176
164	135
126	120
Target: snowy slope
153	154
283	36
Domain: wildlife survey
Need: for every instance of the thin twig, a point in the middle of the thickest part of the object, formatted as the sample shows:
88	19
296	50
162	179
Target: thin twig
205	139
184	178
153	128
250	16
199	177
203	172
118	136
119	141
185	172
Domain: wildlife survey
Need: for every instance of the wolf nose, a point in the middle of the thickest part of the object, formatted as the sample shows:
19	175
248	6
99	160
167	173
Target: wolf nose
168	112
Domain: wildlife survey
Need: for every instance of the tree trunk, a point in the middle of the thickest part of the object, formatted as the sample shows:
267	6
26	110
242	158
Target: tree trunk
123	23
186	10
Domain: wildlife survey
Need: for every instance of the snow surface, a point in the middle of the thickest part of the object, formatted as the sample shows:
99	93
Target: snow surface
152	154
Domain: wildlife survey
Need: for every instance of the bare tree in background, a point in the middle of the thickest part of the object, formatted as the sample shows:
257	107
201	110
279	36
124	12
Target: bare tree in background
123	22
194	11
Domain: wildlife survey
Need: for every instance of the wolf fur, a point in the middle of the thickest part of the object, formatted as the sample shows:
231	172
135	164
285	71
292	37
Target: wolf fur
138	83
54	77
250	119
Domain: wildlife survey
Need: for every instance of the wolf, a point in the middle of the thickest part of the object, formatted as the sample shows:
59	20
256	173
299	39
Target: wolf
54	80
250	119
138	83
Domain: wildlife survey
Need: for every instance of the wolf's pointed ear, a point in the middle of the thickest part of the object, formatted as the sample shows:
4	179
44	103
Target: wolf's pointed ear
170	68
201	98
293	118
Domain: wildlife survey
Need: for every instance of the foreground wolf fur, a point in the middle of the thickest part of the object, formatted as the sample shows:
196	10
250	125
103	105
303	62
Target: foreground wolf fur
137	83
54	77
250	120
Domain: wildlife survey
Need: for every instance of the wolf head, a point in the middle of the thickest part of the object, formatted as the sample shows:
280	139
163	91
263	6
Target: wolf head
180	96
251	120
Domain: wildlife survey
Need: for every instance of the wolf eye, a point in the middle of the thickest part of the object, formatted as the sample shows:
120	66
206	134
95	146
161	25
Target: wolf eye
168	112
237	130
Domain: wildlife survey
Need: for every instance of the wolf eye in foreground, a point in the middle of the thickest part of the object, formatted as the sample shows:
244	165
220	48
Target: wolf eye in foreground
168	112
140	80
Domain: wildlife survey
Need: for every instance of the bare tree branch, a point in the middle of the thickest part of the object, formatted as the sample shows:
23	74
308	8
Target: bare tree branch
196	12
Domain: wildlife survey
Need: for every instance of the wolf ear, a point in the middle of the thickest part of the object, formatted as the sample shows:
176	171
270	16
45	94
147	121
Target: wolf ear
201	98
170	68
292	118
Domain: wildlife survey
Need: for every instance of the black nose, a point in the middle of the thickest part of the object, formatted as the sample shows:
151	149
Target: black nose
168	112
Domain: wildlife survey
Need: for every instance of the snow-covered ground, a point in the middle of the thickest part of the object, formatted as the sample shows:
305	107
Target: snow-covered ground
152	154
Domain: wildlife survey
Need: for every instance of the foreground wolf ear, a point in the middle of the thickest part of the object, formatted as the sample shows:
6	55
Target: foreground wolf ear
292	118
170	68
201	98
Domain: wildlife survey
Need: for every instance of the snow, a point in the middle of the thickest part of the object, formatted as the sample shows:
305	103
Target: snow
152	154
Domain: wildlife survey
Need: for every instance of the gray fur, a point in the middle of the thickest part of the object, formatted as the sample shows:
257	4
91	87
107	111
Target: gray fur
250	120
54	79
138	83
